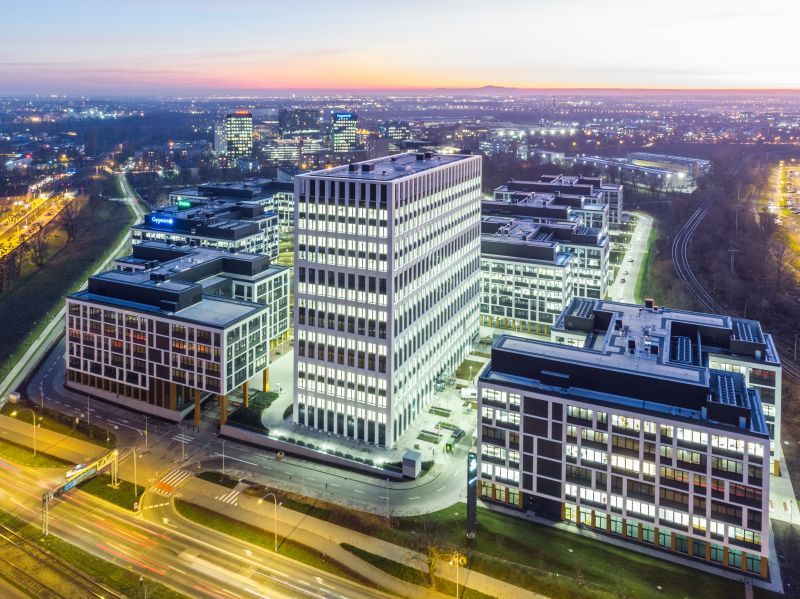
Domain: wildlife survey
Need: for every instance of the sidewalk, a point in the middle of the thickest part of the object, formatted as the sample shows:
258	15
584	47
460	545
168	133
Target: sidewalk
77	451
326	537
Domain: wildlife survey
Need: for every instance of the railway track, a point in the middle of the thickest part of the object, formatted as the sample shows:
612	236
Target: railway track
72	582
683	269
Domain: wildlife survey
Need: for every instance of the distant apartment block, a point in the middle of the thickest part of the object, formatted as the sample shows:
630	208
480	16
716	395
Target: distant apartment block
171	326
343	132
685	169
386	288
626	425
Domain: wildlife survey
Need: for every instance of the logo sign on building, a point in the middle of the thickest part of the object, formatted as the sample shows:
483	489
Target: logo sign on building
472	494
162	220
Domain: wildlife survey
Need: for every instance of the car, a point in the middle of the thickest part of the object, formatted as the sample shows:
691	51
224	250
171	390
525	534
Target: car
625	273
75	469
622	280
457	435
630	259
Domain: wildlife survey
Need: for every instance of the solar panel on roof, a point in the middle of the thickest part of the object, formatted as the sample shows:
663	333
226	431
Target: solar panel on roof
726	390
684	351
743	331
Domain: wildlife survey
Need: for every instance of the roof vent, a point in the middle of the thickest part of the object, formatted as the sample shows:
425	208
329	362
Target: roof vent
420	157
352	167
367	168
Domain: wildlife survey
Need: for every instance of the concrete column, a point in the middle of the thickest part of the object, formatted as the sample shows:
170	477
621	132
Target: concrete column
744	561
708	551
197	408
764	567
578	515
608	522
725	556
563	512
265	380
172	396
655	536
674	541
223	409
592	518
624	528
246	394
640	532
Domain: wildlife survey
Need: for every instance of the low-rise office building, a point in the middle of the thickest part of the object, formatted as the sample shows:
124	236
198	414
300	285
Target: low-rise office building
622	427
530	271
171	326
223	224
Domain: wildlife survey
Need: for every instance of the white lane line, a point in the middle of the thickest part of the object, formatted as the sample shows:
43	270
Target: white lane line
357	491
417	497
440	489
230	457
333	484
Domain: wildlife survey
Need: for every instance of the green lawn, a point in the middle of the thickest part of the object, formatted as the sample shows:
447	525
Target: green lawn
218	478
553	562
413	575
120	579
262	538
38	294
643	283
250	416
122	496
24	456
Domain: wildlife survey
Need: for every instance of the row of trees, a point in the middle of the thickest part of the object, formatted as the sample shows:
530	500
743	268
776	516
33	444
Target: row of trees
33	247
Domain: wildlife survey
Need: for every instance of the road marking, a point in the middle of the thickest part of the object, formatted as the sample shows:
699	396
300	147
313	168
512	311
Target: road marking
333	485
382	497
231	498
357	491
417	497
440	489
230	457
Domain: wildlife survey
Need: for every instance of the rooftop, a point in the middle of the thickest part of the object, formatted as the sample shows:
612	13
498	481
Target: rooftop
389	168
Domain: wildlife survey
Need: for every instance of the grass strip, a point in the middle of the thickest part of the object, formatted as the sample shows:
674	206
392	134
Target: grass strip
123	496
259	537
24	456
414	576
218	478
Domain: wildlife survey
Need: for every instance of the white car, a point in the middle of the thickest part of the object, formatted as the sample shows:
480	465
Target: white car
74	470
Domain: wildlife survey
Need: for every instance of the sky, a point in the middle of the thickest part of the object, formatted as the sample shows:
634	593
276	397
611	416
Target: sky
204	47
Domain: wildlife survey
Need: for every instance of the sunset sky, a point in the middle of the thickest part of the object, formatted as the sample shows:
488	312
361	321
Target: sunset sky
252	46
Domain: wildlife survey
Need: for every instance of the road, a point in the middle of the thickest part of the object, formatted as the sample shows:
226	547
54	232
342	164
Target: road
633	262
168	444
192	559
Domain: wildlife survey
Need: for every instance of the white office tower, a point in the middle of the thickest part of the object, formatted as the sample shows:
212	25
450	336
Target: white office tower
387	265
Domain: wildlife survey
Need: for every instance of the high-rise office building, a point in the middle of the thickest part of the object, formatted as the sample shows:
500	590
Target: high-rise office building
239	134
639	423
343	132
220	139
386	289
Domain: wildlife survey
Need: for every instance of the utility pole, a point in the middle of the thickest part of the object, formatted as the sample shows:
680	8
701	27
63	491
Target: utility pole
88	421
387	497
145	431
183	445
223	458
795	347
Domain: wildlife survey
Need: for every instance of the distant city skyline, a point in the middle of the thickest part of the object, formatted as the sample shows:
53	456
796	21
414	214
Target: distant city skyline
249	47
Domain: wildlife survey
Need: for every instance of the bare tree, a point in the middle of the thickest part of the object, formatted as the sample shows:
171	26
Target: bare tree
781	254
37	246
68	219
431	545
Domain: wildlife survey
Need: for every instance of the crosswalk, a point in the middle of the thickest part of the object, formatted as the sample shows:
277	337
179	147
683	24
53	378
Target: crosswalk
181	438
168	485
231	498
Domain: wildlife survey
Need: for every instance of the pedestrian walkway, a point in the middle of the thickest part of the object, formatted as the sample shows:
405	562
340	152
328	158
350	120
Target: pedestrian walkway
230	498
50	442
168	485
326	538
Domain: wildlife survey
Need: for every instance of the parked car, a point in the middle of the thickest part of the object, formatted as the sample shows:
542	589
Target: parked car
457	435
622	280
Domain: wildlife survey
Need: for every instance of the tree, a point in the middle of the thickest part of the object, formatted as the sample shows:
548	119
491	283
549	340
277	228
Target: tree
37	246
431	545
68	219
781	254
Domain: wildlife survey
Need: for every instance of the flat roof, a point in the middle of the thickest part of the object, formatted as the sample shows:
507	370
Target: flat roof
389	168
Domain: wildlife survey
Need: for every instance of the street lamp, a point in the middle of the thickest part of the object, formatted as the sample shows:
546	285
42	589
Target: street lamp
458	559
33	422
275	513
223	458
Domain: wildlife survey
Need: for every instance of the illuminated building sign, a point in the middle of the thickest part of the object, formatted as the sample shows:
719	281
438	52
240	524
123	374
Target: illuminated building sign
162	220
184	204
343	115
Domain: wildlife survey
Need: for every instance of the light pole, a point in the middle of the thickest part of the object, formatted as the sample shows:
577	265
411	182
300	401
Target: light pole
183	445
275	514
33	422
223	458
145	430
459	559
